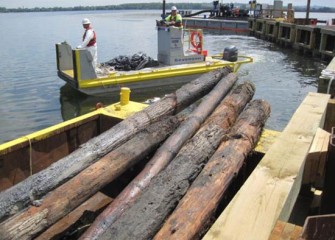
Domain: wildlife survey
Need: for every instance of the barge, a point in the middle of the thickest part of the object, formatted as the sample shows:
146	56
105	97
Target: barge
179	62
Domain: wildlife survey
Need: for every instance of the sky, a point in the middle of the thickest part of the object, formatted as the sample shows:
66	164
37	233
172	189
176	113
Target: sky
72	3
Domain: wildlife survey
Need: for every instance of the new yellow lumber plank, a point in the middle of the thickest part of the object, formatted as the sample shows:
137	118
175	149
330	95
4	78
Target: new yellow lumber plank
315	161
271	190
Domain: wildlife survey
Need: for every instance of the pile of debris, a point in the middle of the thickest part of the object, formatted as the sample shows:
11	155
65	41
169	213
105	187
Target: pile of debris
135	62
182	164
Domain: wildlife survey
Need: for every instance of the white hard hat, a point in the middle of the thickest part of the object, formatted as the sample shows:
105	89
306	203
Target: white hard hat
86	21
174	8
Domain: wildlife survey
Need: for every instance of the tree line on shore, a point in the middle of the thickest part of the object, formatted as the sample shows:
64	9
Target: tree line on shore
128	6
140	6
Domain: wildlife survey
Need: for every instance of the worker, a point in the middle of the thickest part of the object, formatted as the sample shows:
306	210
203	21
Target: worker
174	19
89	41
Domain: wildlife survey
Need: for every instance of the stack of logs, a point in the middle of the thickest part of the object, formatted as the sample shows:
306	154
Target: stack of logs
194	157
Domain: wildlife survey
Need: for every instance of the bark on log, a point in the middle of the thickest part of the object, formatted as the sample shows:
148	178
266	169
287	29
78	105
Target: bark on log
162	157
17	197
143	219
194	212
71	194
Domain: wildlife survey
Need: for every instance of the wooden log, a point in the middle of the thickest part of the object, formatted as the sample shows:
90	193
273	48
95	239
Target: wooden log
196	209
270	191
37	185
74	192
96	202
162	157
144	217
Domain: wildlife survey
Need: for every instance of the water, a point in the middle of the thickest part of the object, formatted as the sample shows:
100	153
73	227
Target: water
33	97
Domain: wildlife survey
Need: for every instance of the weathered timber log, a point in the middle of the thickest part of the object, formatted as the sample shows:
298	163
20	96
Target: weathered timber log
94	204
62	200
195	210
143	219
162	157
20	195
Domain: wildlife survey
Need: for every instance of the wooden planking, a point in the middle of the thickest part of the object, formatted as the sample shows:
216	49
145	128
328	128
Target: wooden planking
271	190
94	203
285	231
316	159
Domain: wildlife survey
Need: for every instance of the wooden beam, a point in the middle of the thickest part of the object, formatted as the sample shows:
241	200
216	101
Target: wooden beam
271	190
315	162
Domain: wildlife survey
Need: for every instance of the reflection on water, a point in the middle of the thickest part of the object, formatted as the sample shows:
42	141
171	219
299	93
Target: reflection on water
74	103
309	68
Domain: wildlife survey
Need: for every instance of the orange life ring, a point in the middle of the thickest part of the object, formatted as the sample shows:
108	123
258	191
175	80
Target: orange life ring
196	40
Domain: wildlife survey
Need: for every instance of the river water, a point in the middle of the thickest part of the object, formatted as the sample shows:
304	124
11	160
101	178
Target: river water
32	96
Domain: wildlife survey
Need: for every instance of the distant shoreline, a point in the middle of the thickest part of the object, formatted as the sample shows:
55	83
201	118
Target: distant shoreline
144	6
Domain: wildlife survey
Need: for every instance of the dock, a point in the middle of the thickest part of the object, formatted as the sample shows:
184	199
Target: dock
326	84
318	40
